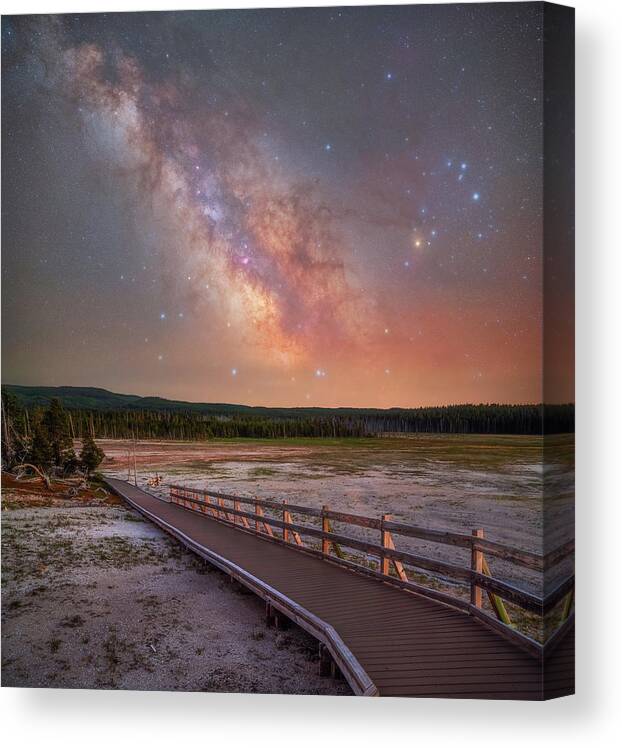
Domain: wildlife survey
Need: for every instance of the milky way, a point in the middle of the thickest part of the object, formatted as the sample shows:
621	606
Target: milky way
293	207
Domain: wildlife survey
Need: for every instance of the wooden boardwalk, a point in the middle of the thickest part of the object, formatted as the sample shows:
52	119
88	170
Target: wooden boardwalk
385	641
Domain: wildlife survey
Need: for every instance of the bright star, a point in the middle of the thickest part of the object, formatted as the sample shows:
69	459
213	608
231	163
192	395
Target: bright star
476	196
162	315
234	372
328	147
389	76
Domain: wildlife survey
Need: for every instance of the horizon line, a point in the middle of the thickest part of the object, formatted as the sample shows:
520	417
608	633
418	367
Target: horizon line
287	407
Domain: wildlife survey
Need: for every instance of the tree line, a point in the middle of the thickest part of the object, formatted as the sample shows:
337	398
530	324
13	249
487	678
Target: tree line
177	424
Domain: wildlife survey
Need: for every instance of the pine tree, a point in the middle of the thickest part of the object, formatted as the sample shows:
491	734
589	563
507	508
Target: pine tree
91	455
57	424
41	453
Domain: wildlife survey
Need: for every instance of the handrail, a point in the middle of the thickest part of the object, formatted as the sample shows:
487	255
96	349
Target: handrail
478	576
517	556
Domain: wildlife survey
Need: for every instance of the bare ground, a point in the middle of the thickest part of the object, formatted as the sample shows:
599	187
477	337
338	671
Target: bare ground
455	482
95	597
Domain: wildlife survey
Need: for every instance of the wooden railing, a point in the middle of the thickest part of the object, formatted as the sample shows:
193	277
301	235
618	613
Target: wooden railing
390	566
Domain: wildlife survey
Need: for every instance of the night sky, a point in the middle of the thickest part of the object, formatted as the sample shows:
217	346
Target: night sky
277	207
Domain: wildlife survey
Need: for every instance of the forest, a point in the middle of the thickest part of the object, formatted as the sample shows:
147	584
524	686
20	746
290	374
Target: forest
122	417
43	442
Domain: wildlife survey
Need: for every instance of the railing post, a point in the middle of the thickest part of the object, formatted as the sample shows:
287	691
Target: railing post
266	527
285	519
384	542
325	529
243	520
256	518
477	565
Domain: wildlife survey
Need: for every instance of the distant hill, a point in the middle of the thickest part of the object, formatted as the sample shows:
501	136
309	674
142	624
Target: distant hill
90	398
96	398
